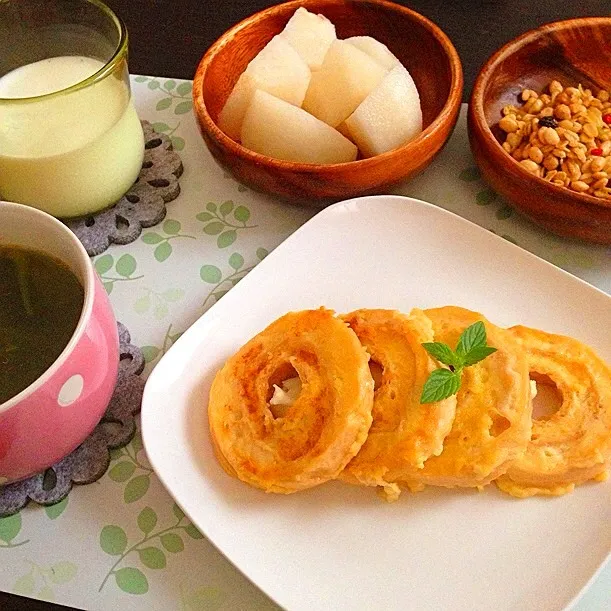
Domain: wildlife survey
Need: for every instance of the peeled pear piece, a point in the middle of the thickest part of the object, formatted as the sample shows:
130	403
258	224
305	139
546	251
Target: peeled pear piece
389	116
345	79
376	50
278	129
278	69
310	35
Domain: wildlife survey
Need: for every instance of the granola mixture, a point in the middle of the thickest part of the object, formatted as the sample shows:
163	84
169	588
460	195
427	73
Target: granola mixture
564	136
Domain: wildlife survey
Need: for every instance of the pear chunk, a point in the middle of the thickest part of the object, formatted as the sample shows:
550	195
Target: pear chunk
278	129
344	80
278	69
376	50
310	35
389	116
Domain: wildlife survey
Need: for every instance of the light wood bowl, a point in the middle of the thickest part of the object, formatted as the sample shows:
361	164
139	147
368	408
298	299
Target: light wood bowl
420	45
572	52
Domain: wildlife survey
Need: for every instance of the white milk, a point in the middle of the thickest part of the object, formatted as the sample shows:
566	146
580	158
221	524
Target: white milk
70	154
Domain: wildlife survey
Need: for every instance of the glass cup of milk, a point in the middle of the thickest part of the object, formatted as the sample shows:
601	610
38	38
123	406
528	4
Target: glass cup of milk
71	142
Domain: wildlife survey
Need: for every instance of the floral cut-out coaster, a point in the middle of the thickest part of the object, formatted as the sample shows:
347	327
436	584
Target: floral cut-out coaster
91	459
144	205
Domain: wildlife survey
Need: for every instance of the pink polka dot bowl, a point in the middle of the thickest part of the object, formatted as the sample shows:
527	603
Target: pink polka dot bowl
56	413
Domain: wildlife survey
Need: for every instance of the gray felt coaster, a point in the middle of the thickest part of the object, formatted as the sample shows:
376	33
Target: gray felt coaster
91	459
142	206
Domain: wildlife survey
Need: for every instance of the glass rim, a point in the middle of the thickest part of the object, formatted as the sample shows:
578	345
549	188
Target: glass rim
103	72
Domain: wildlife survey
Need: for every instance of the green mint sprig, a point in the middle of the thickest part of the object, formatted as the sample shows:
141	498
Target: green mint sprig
471	349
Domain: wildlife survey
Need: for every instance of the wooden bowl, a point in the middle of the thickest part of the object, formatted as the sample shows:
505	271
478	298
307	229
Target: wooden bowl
420	45
572	52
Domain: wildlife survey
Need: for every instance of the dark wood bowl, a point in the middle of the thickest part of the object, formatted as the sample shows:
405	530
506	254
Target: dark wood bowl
572	52
420	45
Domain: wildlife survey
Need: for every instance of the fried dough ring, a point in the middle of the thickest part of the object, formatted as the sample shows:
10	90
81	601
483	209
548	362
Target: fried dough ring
404	433
321	431
574	444
493	411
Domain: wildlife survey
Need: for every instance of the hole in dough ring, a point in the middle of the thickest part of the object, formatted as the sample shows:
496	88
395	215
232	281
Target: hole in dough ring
321	431
404	433
573	445
492	424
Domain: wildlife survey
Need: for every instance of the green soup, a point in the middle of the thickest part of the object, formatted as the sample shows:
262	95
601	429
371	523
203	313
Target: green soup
40	305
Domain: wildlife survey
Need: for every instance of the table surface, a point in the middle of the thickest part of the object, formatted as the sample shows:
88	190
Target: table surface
169	38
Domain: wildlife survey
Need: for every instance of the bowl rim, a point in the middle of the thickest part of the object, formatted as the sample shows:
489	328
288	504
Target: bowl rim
449	109
476	103
119	54
40	218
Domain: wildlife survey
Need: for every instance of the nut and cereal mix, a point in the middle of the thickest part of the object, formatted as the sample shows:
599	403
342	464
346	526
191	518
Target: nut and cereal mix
564	136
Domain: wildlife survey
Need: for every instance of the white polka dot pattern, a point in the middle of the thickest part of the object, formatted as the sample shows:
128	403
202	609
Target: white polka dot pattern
71	390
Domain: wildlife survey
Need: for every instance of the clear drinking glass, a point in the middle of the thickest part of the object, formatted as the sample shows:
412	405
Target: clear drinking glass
71	142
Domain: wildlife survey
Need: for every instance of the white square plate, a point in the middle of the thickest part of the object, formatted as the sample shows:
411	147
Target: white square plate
338	546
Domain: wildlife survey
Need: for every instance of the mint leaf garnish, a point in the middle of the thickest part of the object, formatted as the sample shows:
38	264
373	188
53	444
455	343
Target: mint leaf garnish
475	355
442	383
472	337
443	353
471	348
